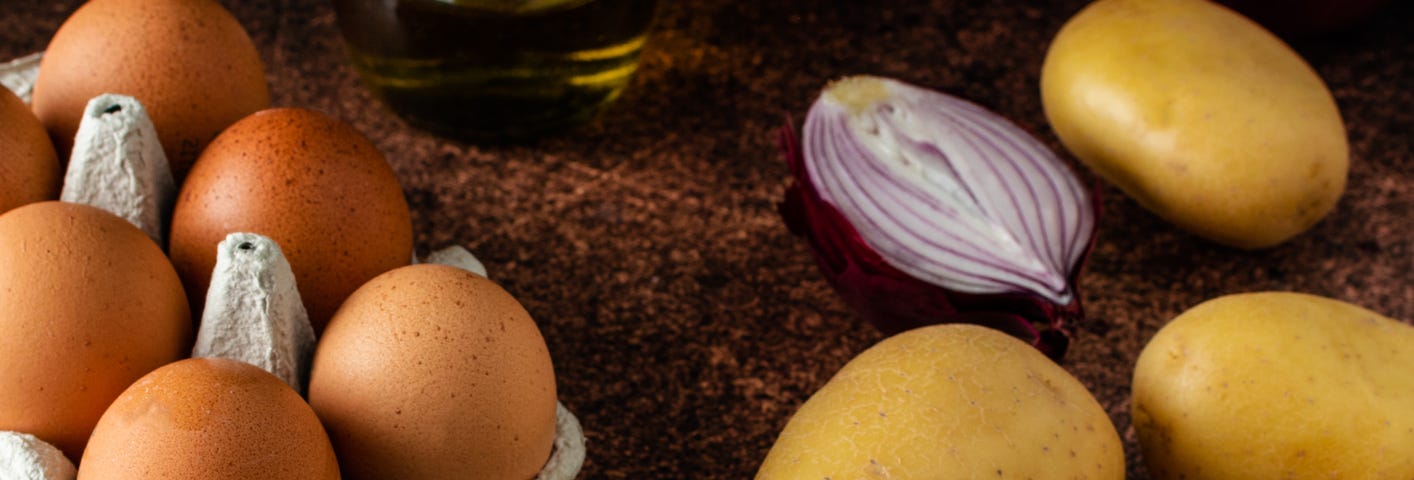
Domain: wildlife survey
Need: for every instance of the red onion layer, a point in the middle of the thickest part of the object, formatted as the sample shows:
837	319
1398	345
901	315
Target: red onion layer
922	208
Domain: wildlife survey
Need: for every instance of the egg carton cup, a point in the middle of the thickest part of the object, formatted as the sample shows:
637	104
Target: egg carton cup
253	309
24	457
19	74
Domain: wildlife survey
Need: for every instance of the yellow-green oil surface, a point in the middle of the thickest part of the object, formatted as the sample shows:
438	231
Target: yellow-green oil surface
495	69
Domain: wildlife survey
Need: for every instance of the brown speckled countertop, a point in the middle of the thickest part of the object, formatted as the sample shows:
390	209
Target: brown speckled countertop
686	323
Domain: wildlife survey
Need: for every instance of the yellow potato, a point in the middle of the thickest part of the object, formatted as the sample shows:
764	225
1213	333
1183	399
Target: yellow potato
948	401
1277	386
1198	114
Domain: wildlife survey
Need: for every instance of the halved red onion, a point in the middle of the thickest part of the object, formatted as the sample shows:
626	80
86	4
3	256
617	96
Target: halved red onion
923	208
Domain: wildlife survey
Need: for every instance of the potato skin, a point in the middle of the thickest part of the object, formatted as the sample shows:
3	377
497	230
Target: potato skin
1277	385
1200	115
948	401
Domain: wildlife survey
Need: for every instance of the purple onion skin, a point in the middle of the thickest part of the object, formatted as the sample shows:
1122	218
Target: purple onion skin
894	301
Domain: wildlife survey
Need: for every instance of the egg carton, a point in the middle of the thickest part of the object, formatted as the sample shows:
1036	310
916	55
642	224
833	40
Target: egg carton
253	309
19	74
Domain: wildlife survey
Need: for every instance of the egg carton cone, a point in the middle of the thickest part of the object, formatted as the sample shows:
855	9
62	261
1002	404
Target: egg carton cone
24	457
253	309
118	165
19	74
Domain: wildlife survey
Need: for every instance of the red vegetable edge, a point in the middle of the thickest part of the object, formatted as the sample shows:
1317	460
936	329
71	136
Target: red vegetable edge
895	302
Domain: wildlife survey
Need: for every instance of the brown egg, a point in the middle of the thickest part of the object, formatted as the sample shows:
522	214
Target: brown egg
213	419
189	62
29	170
312	183
89	305
431	372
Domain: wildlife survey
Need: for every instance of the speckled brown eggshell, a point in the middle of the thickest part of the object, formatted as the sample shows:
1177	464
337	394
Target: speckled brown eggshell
213	419
432	372
29	169
88	304
189	62
312	183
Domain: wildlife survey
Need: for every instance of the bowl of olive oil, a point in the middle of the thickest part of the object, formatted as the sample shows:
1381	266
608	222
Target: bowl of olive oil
495	70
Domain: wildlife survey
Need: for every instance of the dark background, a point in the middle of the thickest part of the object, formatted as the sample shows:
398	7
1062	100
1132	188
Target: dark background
685	322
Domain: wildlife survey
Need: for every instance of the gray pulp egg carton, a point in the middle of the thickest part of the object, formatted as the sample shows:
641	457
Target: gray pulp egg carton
253	309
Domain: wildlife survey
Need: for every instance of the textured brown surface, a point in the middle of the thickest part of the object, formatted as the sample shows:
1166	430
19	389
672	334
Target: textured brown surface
685	322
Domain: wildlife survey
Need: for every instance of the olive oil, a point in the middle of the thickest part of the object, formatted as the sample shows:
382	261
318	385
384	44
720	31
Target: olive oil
495	69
